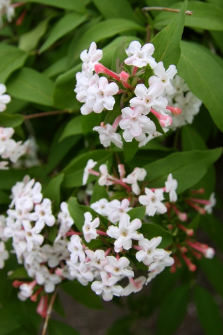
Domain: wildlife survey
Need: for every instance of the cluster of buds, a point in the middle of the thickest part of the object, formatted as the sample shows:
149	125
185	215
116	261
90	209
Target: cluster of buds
140	100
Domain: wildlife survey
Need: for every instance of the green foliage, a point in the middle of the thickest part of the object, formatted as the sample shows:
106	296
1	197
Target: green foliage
203	76
208	312
187	167
169	318
167	42
59	328
151	230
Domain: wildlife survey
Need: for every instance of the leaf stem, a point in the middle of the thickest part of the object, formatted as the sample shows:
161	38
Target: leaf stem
32	116
145	9
49	310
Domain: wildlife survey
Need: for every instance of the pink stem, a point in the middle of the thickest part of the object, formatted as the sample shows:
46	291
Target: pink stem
95	173
101	233
197	208
136	247
108	251
161	188
99	68
174	110
189	232
135	69
71	233
191	267
18	4
116	122
200	201
117	181
201	191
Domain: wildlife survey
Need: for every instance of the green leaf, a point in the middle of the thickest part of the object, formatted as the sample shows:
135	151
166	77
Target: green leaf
137	213
130	149
59	328
90	121
4	198
204	77
99	192
52	191
64	96
11	120
167	42
32	86
8	322
119	56
115	9
214	228
77	5
187	167
58	151
65	25
11	59
19	273
205	16
56	68
77	213
30	40
191	140
213	270
122	326
73	127
173	310
216	2
74	171
105	29
150	230
208	311
82	294
10	177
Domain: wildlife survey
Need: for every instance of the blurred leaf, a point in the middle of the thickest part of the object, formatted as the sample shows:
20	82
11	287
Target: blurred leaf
149	230
4	198
65	25
115	9
83	295
213	270
172	311
8	322
77	5
52	191
194	224
11	59
216	2
59	328
99	192
105	29
90	121
137	213
58	151
191	140
205	16
167	42
122	326
187	167
130	149
32	86
11	120
208	312
214	228
74	171
10	177
73	127
56	68
218	38
18	274
204	77
30	40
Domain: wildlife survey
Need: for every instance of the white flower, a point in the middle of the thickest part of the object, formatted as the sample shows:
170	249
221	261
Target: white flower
89	227
32	234
125	233
5	6
134	123
101	95
81	271
135	285
91	57
97	259
209	207
104	179
149	253
158	267
65	220
55	253
100	207
116	208
132	178
149	97
152	201
43	213
3	165
171	186
4	98
118	267
140	56
44	277
163	76
89	166
107	287
75	246
107	134
3	254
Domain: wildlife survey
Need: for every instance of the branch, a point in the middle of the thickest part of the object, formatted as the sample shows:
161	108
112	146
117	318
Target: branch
32	116
49	310
146	9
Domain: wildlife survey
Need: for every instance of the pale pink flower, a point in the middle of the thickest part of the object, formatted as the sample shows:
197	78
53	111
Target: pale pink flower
108	135
163	76
132	178
89	227
89	166
140	56
91	57
107	286
152	201
171	186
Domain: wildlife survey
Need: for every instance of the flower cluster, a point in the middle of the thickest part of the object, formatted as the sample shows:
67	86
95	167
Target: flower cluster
140	101
182	98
